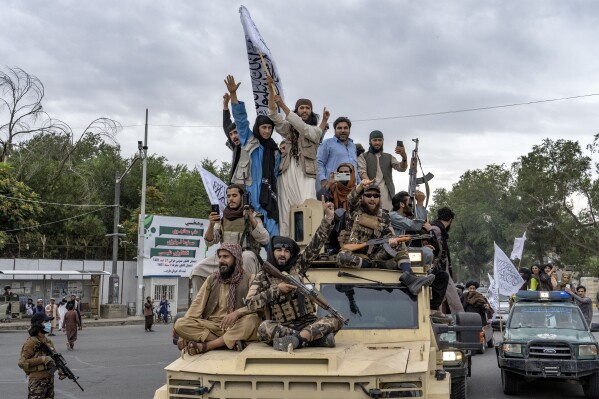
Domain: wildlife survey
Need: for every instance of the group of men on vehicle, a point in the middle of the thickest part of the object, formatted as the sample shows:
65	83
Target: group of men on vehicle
236	299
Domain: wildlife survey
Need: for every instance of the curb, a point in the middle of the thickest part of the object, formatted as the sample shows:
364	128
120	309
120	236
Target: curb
16	326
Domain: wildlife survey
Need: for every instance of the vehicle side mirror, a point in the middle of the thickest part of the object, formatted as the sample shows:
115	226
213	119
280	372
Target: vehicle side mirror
594	327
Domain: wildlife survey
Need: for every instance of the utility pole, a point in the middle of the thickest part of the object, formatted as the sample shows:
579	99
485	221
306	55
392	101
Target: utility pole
113	280
141	225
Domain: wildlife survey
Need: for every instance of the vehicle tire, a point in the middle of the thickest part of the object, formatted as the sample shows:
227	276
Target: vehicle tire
458	388
590	386
510	382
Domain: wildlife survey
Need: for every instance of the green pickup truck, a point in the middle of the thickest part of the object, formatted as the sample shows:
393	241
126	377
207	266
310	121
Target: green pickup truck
547	338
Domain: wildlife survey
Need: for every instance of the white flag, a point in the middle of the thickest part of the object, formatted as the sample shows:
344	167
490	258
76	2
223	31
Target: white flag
215	188
518	247
255	45
506	275
493	297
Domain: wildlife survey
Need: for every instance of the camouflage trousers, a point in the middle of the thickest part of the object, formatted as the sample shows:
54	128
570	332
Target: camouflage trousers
42	388
318	328
352	260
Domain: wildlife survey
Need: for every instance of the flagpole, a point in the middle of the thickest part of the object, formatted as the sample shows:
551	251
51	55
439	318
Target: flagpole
272	86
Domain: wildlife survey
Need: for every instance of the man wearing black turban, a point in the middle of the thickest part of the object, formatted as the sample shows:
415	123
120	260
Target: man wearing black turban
290	318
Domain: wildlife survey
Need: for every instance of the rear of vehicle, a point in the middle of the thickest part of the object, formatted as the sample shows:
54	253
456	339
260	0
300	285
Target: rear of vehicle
547	337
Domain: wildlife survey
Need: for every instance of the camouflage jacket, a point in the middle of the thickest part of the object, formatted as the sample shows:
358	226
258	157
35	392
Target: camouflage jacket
264	295
360	226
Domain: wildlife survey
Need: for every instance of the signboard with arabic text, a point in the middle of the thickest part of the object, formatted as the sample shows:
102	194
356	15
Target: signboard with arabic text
173	245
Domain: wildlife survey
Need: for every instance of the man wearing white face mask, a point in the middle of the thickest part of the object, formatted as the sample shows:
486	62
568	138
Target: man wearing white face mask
34	362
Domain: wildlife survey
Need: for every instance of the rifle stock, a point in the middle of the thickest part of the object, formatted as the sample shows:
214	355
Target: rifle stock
61	364
376	241
302	289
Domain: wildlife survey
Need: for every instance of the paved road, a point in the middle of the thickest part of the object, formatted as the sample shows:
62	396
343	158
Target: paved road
121	362
125	362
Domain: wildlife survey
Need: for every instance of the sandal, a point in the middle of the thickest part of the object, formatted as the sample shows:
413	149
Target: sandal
196	348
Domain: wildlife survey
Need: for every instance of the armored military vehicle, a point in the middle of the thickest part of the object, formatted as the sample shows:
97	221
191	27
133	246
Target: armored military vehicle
388	349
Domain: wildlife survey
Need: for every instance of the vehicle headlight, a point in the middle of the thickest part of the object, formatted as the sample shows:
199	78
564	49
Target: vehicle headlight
452	358
587	351
512	349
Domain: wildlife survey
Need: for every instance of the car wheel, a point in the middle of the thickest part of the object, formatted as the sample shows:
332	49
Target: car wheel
458	388
591	386
510	382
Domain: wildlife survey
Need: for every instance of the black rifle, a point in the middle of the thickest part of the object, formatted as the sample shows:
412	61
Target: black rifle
246	204
415	181
61	364
303	290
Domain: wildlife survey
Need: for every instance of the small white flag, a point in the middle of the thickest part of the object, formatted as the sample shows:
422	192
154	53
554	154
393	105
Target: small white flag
215	188
518	247
255	45
506	275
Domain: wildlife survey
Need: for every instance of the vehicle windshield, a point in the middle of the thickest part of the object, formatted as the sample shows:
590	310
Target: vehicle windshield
547	316
372	306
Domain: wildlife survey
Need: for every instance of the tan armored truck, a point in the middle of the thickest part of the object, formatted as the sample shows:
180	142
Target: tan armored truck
388	349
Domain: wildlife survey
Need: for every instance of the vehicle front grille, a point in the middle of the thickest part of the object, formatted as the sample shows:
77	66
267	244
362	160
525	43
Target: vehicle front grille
552	350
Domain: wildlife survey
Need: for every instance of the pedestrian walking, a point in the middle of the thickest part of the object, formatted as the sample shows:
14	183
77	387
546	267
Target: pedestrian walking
52	311
149	314
71	325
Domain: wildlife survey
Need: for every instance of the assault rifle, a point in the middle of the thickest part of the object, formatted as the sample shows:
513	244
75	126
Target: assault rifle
301	288
246	202
385	243
415	181
61	364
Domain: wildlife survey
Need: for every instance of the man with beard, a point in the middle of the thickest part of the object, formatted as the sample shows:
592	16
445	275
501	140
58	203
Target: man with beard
367	221
232	228
218	317
474	302
290	319
336	150
376	164
258	161
339	186
403	220
298	167
233	142
440	228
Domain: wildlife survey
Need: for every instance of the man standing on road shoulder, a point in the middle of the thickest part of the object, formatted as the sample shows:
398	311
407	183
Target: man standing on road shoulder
149	313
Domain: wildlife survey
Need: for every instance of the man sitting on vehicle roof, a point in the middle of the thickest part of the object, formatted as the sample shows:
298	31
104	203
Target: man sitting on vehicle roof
368	221
291	318
218	317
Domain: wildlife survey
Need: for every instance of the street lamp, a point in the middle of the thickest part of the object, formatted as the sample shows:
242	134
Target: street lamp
113	280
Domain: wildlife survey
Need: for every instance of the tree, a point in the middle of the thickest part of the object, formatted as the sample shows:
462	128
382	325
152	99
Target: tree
19	209
21	109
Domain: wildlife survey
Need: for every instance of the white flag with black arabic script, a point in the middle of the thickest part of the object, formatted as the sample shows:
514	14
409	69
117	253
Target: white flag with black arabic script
518	247
215	188
493	298
255	45
506	275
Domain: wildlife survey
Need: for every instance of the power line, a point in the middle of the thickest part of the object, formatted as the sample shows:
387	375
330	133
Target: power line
57	221
54	203
408	115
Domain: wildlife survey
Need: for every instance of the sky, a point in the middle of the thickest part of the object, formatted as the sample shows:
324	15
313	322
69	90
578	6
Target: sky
372	61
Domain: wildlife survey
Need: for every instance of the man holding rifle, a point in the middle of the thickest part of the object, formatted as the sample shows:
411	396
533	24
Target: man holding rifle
290	317
36	363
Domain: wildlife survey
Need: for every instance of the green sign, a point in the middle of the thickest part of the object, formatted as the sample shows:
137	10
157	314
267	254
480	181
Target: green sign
173	253
177	242
180	231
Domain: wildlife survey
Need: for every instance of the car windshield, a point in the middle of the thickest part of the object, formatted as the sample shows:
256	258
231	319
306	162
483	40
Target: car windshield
371	306
547	316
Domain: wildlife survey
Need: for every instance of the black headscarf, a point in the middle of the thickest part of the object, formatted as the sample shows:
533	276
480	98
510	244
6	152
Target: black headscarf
290	244
268	186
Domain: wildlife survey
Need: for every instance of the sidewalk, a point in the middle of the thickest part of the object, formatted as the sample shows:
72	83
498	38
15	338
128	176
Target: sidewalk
23	324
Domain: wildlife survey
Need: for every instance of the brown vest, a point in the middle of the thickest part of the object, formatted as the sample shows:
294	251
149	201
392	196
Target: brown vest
385	164
307	157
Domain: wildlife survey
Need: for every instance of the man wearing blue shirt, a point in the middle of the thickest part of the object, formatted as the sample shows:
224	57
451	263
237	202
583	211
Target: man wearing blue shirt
337	150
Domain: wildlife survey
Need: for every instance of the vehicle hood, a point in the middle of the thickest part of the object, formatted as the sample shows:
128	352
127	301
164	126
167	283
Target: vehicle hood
524	334
346	359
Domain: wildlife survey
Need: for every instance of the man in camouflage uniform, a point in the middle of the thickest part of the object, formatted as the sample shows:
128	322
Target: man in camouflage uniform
368	221
290	319
38	365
